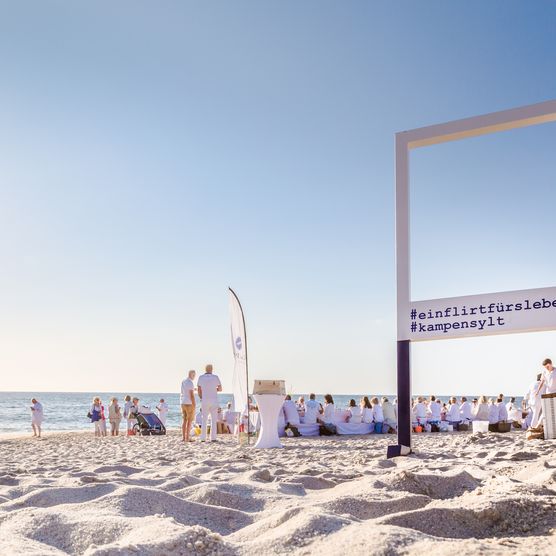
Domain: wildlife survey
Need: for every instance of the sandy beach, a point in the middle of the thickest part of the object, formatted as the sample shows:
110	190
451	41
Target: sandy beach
76	494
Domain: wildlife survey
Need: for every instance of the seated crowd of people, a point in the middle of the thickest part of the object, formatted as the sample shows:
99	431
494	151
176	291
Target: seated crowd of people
459	414
381	415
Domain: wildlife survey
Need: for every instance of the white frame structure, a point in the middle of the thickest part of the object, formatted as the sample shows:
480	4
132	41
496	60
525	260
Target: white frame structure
406	141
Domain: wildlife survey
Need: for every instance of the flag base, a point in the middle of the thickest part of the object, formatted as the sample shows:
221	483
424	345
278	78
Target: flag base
398	450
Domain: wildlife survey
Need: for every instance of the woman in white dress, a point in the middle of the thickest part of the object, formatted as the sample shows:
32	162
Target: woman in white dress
36	417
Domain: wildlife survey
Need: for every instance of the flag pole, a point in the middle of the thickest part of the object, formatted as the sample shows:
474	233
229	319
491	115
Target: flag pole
246	362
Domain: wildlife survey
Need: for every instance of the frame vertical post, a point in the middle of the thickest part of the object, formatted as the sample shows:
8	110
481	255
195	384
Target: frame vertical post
403	298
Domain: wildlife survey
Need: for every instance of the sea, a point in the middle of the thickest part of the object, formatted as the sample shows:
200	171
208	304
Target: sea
67	411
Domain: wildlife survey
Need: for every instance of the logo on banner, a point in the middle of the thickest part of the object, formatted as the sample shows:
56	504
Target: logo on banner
239	343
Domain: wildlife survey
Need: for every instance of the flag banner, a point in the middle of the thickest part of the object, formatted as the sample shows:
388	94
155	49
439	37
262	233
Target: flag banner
239	346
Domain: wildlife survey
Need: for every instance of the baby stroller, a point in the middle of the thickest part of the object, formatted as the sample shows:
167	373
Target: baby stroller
148	423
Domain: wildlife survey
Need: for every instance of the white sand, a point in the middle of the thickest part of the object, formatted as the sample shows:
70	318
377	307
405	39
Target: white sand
76	494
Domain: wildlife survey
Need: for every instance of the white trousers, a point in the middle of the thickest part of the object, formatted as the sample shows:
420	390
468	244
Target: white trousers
537	410
209	409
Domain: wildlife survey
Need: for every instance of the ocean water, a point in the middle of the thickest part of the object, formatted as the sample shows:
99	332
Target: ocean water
65	411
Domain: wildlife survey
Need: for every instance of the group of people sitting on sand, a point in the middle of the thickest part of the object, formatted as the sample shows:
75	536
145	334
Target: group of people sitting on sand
458	414
382	414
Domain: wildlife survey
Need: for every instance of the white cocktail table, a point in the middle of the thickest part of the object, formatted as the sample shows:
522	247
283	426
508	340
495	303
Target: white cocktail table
269	409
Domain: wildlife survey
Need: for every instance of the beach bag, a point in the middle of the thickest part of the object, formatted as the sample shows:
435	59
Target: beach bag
293	429
378	428
418	428
328	429
95	416
435	427
504	427
463	427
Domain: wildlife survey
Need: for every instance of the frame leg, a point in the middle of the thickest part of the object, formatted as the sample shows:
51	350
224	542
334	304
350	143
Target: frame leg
404	402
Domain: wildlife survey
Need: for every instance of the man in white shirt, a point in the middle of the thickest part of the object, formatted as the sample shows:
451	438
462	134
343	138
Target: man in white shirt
291	416
548	379
465	410
311	410
187	402
162	408
208	387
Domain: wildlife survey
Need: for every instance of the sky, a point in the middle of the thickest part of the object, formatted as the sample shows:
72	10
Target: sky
151	155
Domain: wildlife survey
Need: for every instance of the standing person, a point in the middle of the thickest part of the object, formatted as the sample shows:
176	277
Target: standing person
162	408
37	417
132	416
114	416
127	407
187	402
95	413
533	396
103	430
208	387
548	379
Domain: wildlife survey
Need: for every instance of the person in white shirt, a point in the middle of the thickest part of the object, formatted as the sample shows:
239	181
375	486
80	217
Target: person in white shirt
534	401
421	411
378	415
132	415
492	415
390	414
127	407
366	410
208	387
355	413
453	415
187	403
433	412
291	415
311	410
465	410
481	411
328	415
37	417
162	408
230	418
502	411
548	379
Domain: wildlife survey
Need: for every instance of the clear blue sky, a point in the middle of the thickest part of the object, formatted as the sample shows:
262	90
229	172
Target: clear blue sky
151	154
